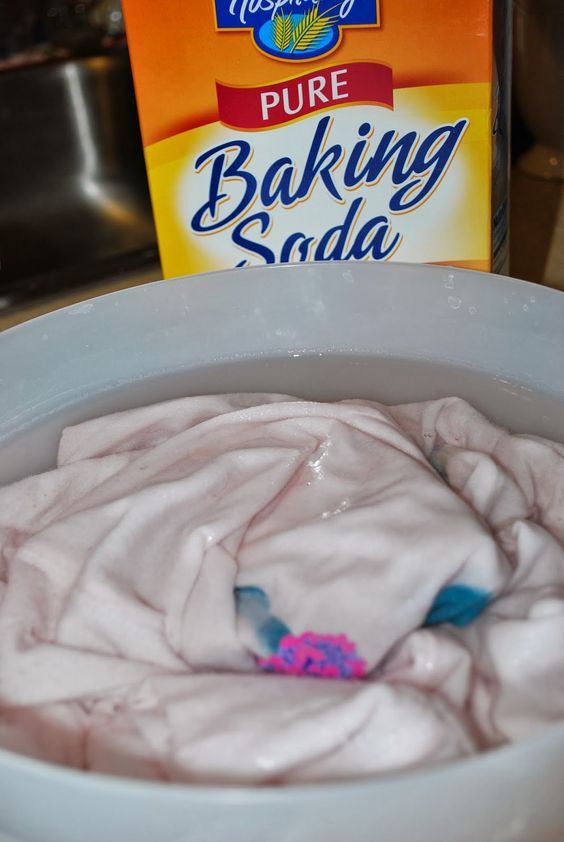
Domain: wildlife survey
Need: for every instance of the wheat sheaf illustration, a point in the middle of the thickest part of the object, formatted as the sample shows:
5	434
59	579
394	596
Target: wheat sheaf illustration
282	28
298	33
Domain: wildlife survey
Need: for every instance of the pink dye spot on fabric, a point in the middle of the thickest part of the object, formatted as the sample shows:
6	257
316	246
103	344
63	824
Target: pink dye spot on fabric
322	655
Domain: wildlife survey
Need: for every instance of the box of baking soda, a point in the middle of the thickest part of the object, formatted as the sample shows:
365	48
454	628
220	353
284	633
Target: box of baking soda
280	131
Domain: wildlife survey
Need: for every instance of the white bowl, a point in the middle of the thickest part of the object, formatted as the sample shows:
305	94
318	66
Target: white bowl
325	331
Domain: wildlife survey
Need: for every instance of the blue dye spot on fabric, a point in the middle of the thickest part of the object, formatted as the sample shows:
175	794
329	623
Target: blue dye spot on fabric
271	633
458	605
251	596
253	604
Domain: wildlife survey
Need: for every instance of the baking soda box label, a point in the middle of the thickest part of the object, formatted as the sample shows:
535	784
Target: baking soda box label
281	131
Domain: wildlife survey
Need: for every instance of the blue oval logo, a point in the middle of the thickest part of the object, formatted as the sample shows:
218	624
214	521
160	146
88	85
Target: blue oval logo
298	37
288	35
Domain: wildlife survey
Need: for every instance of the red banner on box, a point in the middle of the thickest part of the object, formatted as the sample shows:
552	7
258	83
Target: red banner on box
263	107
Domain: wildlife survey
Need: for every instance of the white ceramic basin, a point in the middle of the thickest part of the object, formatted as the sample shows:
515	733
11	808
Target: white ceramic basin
389	332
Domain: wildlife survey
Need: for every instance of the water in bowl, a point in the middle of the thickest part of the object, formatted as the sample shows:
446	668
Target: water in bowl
324	377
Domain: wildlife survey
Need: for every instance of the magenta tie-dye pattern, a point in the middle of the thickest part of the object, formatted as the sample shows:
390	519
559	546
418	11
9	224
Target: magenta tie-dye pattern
322	655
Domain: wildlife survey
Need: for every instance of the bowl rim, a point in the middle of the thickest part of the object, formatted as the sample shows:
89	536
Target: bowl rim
221	274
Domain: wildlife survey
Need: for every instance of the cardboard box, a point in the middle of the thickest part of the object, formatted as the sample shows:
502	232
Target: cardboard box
294	130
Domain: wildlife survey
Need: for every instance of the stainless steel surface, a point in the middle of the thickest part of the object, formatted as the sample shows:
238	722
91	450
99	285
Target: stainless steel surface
74	197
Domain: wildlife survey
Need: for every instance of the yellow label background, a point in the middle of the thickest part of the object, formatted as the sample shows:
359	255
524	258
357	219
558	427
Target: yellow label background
453	226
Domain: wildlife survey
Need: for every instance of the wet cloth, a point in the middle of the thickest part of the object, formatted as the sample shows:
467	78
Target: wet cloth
258	588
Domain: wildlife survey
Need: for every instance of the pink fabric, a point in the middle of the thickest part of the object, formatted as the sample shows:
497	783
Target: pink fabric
121	649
